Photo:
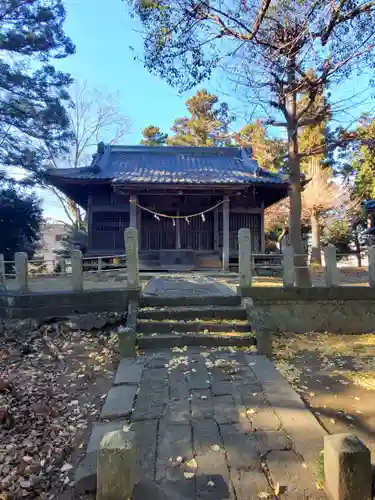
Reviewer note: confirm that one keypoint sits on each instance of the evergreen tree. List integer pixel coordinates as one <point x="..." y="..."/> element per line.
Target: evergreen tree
<point x="152" y="136"/>
<point x="21" y="216"/>
<point x="269" y="153"/>
<point x="207" y="124"/>
<point x="32" y="91"/>
<point x="363" y="164"/>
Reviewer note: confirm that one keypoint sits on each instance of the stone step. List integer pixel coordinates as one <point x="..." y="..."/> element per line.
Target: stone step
<point x="203" y="300"/>
<point x="193" y="312"/>
<point x="146" y="326"/>
<point x="165" y="341"/>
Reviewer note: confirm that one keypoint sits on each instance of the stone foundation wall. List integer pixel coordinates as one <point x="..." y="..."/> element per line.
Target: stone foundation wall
<point x="60" y="304"/>
<point x="335" y="310"/>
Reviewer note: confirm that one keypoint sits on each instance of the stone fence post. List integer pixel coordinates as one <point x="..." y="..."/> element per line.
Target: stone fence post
<point x="371" y="266"/>
<point x="331" y="274"/>
<point x="244" y="258"/>
<point x="21" y="271"/>
<point x="2" y="271"/>
<point x="289" y="274"/>
<point x="132" y="257"/>
<point x="116" y="466"/>
<point x="347" y="468"/>
<point x="77" y="270"/>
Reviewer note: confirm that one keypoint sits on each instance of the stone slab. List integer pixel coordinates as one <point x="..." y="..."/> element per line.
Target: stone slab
<point x="119" y="402"/>
<point x="85" y="474"/>
<point x="146" y="439"/>
<point x="129" y="371"/>
<point x="99" y="429"/>
<point x="212" y="465"/>
<point x="173" y="441"/>
<point x="297" y="420"/>
<point x="295" y="481"/>
<point x="244" y="462"/>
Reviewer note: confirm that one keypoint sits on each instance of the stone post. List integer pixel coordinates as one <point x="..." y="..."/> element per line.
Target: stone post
<point x="289" y="274"/>
<point x="347" y="468"/>
<point x="330" y="271"/>
<point x="371" y="266"/>
<point x="21" y="270"/>
<point x="116" y="466"/>
<point x="2" y="271"/>
<point x="244" y="258"/>
<point x="77" y="271"/>
<point x="133" y="210"/>
<point x="132" y="257"/>
<point x="100" y="264"/>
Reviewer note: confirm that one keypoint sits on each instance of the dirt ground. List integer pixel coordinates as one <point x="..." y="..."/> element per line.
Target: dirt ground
<point x="335" y="375"/>
<point x="51" y="387"/>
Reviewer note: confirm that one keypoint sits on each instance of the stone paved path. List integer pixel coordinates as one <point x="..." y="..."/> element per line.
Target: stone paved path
<point x="186" y="286"/>
<point x="221" y="425"/>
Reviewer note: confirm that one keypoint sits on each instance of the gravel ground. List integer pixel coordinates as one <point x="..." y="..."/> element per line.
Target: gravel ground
<point x="53" y="380"/>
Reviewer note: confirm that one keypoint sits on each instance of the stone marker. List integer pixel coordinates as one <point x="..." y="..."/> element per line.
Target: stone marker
<point x="331" y="274"/>
<point x="244" y="257"/>
<point x="371" y="266"/>
<point x="21" y="270"/>
<point x="347" y="468"/>
<point x="77" y="271"/>
<point x="132" y="257"/>
<point x="116" y="466"/>
<point x="288" y="267"/>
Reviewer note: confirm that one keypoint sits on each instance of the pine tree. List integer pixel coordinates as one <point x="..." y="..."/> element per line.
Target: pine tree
<point x="207" y="124"/>
<point x="152" y="136"/>
<point x="32" y="91"/>
<point x="363" y="164"/>
<point x="21" y="217"/>
<point x="269" y="153"/>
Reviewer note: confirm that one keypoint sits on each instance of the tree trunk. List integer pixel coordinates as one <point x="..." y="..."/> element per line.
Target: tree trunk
<point x="315" y="238"/>
<point x="302" y="272"/>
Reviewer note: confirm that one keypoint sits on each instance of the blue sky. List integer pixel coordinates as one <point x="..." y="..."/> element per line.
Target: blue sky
<point x="102" y="33"/>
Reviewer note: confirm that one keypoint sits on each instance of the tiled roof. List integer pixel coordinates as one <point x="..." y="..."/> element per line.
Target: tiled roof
<point x="172" y="165"/>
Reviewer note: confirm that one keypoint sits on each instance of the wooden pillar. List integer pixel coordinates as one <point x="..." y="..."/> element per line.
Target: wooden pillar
<point x="178" y="231"/>
<point x="89" y="218"/>
<point x="226" y="234"/>
<point x="133" y="211"/>
<point x="216" y="229"/>
<point x="262" y="233"/>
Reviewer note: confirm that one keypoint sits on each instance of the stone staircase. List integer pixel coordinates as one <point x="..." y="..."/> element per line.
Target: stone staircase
<point x="180" y="321"/>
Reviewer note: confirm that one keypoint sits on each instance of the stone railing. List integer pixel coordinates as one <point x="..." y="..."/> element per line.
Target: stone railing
<point x="17" y="275"/>
<point x="286" y="263"/>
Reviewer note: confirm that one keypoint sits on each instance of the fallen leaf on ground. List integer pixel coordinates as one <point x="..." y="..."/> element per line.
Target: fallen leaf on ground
<point x="189" y="475"/>
<point x="263" y="494"/>
<point x="192" y="464"/>
<point x="277" y="489"/>
<point x="215" y="447"/>
<point x="210" y="483"/>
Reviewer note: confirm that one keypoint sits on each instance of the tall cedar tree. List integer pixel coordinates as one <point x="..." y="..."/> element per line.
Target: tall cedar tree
<point x="21" y="216"/>
<point x="207" y="124"/>
<point x="268" y="48"/>
<point x="32" y="91"/>
<point x="153" y="136"/>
